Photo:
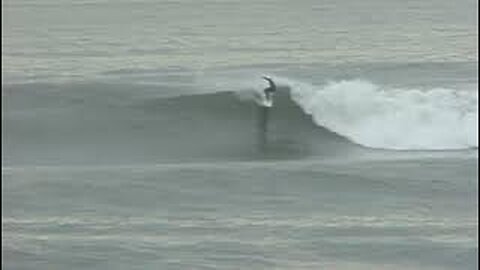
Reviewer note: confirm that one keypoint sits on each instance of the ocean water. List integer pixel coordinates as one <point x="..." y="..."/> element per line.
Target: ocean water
<point x="132" y="136"/>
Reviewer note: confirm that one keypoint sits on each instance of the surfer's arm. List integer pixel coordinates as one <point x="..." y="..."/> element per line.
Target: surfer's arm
<point x="270" y="82"/>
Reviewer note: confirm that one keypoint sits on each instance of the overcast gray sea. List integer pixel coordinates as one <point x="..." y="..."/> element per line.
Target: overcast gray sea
<point x="133" y="136"/>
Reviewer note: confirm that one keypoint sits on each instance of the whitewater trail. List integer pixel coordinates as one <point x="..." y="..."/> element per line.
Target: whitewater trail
<point x="398" y="119"/>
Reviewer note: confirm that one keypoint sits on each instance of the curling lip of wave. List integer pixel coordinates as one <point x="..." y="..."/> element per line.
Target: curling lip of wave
<point x="397" y="119"/>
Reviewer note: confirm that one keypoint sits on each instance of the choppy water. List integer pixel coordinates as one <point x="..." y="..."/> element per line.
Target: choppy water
<point x="130" y="135"/>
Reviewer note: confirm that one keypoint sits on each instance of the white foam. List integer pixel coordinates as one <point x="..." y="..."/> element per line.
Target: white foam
<point x="403" y="119"/>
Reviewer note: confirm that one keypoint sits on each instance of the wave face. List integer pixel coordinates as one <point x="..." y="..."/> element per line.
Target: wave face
<point x="399" y="119"/>
<point x="111" y="123"/>
<point x="93" y="123"/>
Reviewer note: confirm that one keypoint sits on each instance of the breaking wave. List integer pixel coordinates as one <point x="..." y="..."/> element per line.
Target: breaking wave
<point x="110" y="123"/>
<point x="400" y="119"/>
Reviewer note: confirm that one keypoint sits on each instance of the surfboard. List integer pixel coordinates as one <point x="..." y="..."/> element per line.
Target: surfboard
<point x="268" y="101"/>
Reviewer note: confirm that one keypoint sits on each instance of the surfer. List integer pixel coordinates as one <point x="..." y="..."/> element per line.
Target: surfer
<point x="263" y="114"/>
<point x="270" y="89"/>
